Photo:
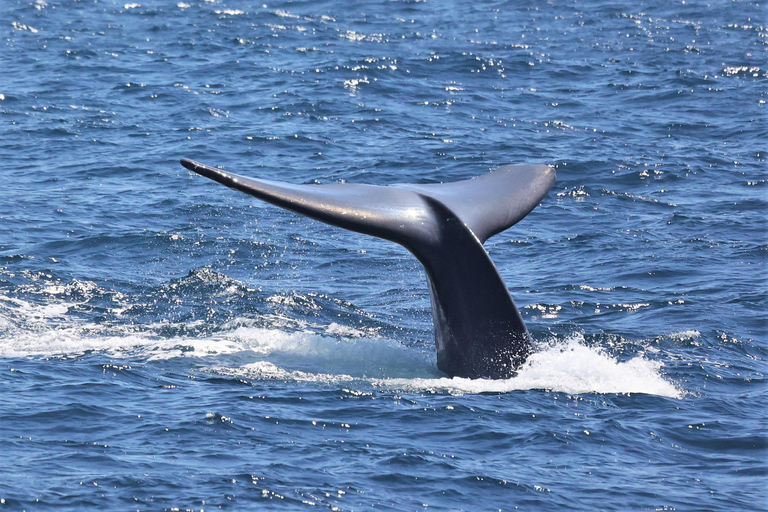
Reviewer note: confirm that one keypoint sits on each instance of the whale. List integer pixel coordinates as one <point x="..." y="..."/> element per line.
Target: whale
<point x="479" y="331"/>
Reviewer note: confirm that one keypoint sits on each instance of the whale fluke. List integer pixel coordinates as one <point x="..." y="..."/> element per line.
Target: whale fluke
<point x="478" y="330"/>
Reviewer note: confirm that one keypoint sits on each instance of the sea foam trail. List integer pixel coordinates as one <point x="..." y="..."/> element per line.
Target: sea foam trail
<point x="568" y="367"/>
<point x="338" y="355"/>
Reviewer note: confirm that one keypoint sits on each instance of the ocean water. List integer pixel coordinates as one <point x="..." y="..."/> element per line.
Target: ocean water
<point x="169" y="344"/>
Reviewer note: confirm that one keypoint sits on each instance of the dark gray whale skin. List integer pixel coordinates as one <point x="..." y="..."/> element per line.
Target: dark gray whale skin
<point x="479" y="332"/>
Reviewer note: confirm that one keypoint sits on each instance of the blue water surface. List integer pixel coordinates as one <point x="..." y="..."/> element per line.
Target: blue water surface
<point x="169" y="344"/>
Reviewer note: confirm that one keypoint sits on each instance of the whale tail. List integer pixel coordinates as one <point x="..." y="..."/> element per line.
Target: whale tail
<point x="479" y="331"/>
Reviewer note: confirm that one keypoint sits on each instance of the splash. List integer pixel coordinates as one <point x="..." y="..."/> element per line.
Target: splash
<point x="572" y="367"/>
<point x="333" y="355"/>
<point x="569" y="367"/>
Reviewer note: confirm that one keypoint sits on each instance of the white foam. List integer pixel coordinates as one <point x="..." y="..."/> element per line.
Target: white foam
<point x="340" y="355"/>
<point x="264" y="370"/>
<point x="304" y="350"/>
<point x="573" y="367"/>
<point x="569" y="367"/>
<point x="322" y="355"/>
<point x="684" y="335"/>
